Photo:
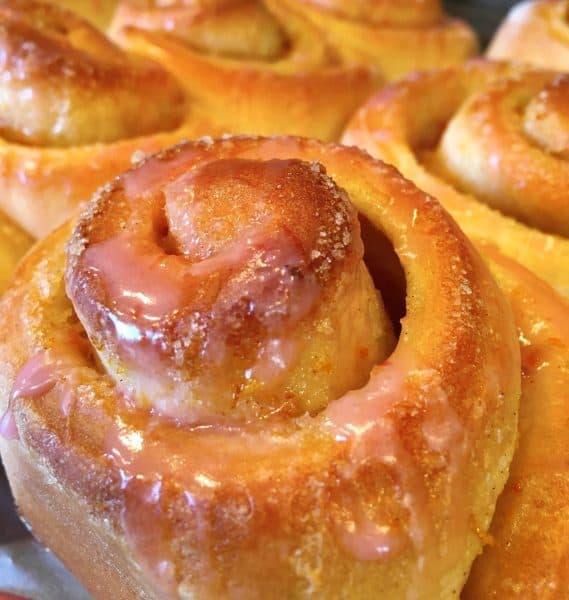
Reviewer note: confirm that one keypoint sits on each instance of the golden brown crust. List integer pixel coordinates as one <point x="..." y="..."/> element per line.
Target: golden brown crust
<point x="289" y="505"/>
<point x="76" y="109"/>
<point x="535" y="32"/>
<point x="395" y="37"/>
<point x="234" y="260"/>
<point x="66" y="84"/>
<point x="299" y="87"/>
<point x="14" y="243"/>
<point x="476" y="136"/>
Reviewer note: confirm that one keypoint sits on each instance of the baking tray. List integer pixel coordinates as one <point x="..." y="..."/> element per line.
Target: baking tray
<point x="28" y="569"/>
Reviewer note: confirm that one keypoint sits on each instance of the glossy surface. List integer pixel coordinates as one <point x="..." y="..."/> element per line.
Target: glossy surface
<point x="235" y="261"/>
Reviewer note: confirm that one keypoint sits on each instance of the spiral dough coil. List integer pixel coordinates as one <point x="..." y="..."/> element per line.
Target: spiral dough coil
<point x="492" y="147"/>
<point x="75" y="109"/>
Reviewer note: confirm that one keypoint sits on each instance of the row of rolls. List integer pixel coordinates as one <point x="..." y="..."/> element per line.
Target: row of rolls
<point x="297" y="325"/>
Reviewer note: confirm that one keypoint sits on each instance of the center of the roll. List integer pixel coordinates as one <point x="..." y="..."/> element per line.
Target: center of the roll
<point x="241" y="30"/>
<point x="236" y="289"/>
<point x="218" y="205"/>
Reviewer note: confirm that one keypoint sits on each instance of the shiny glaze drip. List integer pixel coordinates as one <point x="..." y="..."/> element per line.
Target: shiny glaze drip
<point x="151" y="459"/>
<point x="367" y="419"/>
<point x="363" y="419"/>
<point x="8" y="426"/>
<point x="143" y="294"/>
<point x="37" y="377"/>
<point x="366" y="540"/>
<point x="163" y="284"/>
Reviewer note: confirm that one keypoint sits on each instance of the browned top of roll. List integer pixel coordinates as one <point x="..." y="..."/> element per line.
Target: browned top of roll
<point x="64" y="83"/>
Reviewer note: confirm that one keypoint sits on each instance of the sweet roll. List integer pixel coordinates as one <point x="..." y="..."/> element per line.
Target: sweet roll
<point x="75" y="109"/>
<point x="206" y="397"/>
<point x="250" y="66"/>
<point x="535" y="32"/>
<point x="489" y="140"/>
<point x="497" y="136"/>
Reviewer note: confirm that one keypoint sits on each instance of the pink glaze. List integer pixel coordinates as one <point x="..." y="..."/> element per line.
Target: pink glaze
<point x="367" y="540"/>
<point x="142" y="280"/>
<point x="143" y="530"/>
<point x="36" y="377"/>
<point x="362" y="418"/>
<point x="234" y="255"/>
<point x="365" y="419"/>
<point x="255" y="267"/>
<point x="43" y="371"/>
<point x="8" y="426"/>
<point x="274" y="361"/>
<point x="161" y="283"/>
<point x="155" y="173"/>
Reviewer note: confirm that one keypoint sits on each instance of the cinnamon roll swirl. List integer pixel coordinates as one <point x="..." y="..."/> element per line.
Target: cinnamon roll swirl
<point x="396" y="37"/>
<point x="75" y="108"/>
<point x="250" y="66"/>
<point x="489" y="140"/>
<point x="205" y="384"/>
<point x="494" y="133"/>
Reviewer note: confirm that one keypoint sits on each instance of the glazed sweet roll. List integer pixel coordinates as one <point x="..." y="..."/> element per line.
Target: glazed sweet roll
<point x="489" y="140"/>
<point x="534" y="32"/>
<point x="251" y="67"/>
<point x="208" y="395"/>
<point x="396" y="37"/>
<point x="75" y="108"/>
